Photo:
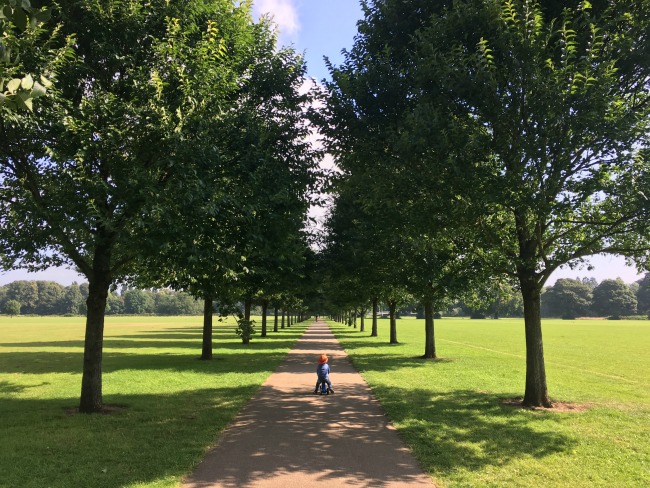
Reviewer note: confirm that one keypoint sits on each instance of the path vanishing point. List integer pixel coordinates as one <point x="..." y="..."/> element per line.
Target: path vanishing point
<point x="288" y="437"/>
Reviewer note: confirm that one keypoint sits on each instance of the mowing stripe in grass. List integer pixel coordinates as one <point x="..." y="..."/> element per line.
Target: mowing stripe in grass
<point x="562" y="365"/>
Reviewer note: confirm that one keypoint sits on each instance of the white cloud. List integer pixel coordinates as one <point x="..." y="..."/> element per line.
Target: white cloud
<point x="284" y="14"/>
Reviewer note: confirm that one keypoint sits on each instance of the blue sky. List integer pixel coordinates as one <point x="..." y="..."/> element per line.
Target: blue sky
<point x="316" y="27"/>
<point x="323" y="28"/>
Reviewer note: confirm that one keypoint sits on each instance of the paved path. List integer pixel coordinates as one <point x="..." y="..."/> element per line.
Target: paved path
<point x="288" y="437"/>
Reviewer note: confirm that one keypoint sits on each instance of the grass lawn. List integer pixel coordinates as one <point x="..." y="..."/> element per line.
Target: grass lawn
<point x="174" y="403"/>
<point x="451" y="412"/>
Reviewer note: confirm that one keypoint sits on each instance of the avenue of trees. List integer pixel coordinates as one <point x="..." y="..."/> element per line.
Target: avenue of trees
<point x="480" y="146"/>
<point x="483" y="144"/>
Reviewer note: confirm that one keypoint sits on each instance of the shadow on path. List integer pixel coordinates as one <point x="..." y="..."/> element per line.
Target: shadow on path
<point x="289" y="437"/>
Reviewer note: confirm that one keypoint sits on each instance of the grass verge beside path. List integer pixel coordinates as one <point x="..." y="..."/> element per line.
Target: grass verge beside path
<point x="452" y="415"/>
<point x="174" y="403"/>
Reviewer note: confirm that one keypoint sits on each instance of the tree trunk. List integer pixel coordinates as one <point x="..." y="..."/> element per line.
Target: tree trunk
<point x="536" y="394"/>
<point x="275" y="320"/>
<point x="354" y="318"/>
<point x="282" y="327"/>
<point x="247" y="308"/>
<point x="247" y="317"/>
<point x="393" y="322"/>
<point x="373" y="333"/>
<point x="91" y="381"/>
<point x="429" y="338"/>
<point x="208" y="310"/>
<point x="265" y="307"/>
<point x="362" y="327"/>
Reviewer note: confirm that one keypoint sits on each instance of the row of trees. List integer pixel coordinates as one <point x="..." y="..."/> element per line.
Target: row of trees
<point x="482" y="144"/>
<point x="171" y="152"/>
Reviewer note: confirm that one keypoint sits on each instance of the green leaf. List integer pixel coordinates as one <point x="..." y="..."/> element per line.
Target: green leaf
<point x="38" y="90"/>
<point x="13" y="85"/>
<point x="27" y="82"/>
<point x="45" y="82"/>
<point x="24" y="101"/>
<point x="43" y="15"/>
<point x="20" y="19"/>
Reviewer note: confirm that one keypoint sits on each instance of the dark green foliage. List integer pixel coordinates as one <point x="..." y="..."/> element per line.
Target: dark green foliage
<point x="613" y="298"/>
<point x="643" y="295"/>
<point x="72" y="300"/>
<point x="11" y="308"/>
<point x="138" y="302"/>
<point x="245" y="329"/>
<point x="568" y="299"/>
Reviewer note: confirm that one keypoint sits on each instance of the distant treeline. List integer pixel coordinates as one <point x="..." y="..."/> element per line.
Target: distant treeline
<point x="569" y="298"/>
<point x="51" y="298"/>
<point x="572" y="298"/>
<point x="566" y="298"/>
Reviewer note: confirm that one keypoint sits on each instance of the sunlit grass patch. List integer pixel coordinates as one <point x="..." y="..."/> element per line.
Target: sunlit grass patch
<point x="454" y="412"/>
<point x="172" y="405"/>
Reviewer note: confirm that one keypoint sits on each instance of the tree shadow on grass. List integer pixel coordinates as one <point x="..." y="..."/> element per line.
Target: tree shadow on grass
<point x="156" y="437"/>
<point x="385" y="362"/>
<point x="181" y="338"/>
<point x="468" y="429"/>
<point x="163" y="436"/>
<point x="236" y="357"/>
<point x="7" y="387"/>
<point x="249" y="361"/>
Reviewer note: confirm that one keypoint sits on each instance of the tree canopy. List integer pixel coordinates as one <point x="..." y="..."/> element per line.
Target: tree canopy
<point x="516" y="126"/>
<point x="135" y="143"/>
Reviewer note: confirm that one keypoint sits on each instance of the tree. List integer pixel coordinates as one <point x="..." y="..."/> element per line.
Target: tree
<point x="114" y="304"/>
<point x="72" y="300"/>
<point x="528" y="122"/>
<point x="567" y="299"/>
<point x="107" y="165"/>
<point x="245" y="234"/>
<point x="643" y="294"/>
<point x="137" y="302"/>
<point x="413" y="225"/>
<point x="363" y="253"/>
<point x="11" y="308"/>
<point x="551" y="112"/>
<point x="24" y="292"/>
<point x="614" y="298"/>
<point x="50" y="295"/>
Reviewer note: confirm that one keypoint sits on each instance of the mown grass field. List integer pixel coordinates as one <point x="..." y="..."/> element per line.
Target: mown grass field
<point x="452" y="414"/>
<point x="174" y="403"/>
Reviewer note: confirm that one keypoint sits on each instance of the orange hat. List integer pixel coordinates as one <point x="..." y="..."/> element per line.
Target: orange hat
<point x="322" y="359"/>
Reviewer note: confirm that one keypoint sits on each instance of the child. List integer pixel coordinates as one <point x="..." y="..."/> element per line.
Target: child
<point x="323" y="372"/>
